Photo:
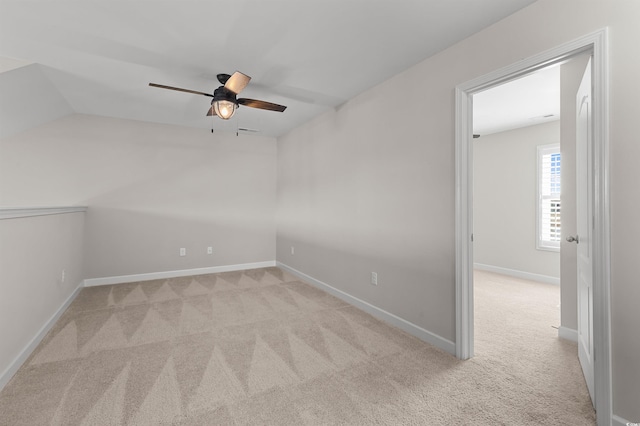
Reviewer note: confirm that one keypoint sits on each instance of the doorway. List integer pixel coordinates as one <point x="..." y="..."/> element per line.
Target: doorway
<point x="517" y="210"/>
<point x="517" y="218"/>
<point x="596" y="44"/>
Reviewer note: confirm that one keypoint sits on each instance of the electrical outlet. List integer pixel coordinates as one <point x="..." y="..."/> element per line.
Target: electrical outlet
<point x="293" y="250"/>
<point x="209" y="250"/>
<point x="374" y="278"/>
<point x="183" y="251"/>
<point x="63" y="276"/>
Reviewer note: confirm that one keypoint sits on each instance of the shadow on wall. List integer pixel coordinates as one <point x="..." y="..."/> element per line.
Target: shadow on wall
<point x="404" y="282"/>
<point x="120" y="241"/>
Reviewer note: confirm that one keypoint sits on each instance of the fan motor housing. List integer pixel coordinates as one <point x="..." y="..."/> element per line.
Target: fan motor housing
<point x="222" y="94"/>
<point x="222" y="78"/>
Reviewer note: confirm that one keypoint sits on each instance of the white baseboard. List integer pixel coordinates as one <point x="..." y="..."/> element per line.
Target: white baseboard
<point x="8" y="373"/>
<point x="91" y="282"/>
<point x="518" y="274"/>
<point x="568" y="334"/>
<point x="619" y="421"/>
<point x="381" y="314"/>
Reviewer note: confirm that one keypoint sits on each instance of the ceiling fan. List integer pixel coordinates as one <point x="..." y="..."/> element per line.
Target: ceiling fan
<point x="224" y="102"/>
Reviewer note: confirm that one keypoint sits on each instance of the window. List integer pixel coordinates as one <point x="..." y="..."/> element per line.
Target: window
<point x="549" y="222"/>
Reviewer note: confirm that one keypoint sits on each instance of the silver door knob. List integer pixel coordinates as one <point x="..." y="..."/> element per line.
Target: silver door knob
<point x="571" y="239"/>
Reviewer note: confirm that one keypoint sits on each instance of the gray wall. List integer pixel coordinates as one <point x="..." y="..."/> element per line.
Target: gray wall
<point x="371" y="188"/>
<point x="505" y="186"/>
<point x="151" y="189"/>
<point x="33" y="253"/>
<point x="358" y="192"/>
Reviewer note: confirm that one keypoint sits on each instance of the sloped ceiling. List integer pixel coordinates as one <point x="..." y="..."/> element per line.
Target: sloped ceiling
<point x="309" y="55"/>
<point x="8" y="64"/>
<point x="28" y="99"/>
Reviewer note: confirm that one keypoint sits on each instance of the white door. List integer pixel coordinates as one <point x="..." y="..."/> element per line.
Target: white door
<point x="585" y="223"/>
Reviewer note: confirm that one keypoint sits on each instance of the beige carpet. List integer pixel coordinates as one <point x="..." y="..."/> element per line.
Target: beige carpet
<point x="260" y="347"/>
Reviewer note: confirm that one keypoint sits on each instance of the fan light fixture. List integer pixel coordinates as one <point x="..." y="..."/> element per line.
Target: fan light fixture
<point x="224" y="109"/>
<point x="225" y="102"/>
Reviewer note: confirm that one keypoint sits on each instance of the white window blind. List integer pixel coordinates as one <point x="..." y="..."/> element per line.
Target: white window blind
<point x="549" y="208"/>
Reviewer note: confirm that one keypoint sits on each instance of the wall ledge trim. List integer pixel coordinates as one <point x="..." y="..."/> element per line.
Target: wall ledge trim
<point x="20" y="212"/>
<point x="414" y="330"/>
<point x="120" y="279"/>
<point x="15" y="365"/>
<point x="518" y="274"/>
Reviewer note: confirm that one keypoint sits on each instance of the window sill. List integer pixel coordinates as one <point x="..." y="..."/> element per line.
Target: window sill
<point x="553" y="249"/>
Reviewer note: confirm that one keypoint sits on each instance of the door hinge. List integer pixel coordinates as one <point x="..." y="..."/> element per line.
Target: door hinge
<point x="471" y="237"/>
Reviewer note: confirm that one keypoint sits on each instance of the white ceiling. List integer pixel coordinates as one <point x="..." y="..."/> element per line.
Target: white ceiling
<point x="310" y="55"/>
<point x="529" y="100"/>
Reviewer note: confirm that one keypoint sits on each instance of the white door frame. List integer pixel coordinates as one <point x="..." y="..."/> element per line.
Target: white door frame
<point x="596" y="43"/>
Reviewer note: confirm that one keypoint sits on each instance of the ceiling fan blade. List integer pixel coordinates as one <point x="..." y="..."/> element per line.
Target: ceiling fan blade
<point x="211" y="112"/>
<point x="254" y="103"/>
<point x="237" y="82"/>
<point x="195" y="92"/>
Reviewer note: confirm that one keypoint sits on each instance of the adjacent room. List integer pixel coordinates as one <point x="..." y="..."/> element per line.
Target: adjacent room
<point x="517" y="225"/>
<point x="249" y="212"/>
